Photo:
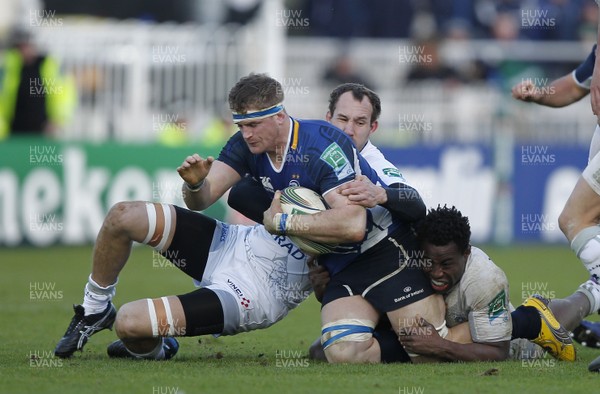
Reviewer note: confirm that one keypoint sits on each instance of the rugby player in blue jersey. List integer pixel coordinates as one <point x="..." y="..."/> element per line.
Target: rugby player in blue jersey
<point x="251" y="278"/>
<point x="354" y="109"/>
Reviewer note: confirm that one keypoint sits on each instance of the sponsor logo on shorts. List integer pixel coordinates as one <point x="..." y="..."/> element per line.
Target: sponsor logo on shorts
<point x="407" y="289"/>
<point x="235" y="288"/>
<point x="291" y="248"/>
<point x="245" y="302"/>
<point x="409" y="295"/>
<point x="224" y="232"/>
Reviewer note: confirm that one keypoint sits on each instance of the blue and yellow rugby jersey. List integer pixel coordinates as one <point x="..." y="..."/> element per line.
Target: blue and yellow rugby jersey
<point x="320" y="157"/>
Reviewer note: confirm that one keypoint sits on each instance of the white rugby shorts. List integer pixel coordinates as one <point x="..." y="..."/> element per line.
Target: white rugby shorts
<point x="266" y="273"/>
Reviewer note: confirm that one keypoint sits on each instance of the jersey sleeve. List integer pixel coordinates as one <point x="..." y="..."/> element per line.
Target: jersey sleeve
<point x="391" y="175"/>
<point x="388" y="173"/>
<point x="235" y="154"/>
<point x="583" y="73"/>
<point x="487" y="297"/>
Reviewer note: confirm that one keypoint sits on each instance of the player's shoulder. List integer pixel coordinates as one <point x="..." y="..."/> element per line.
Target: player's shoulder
<point x="480" y="265"/>
<point x="236" y="144"/>
<point x="316" y="130"/>
<point x="317" y="127"/>
<point x="313" y="123"/>
<point x="384" y="168"/>
<point x="482" y="280"/>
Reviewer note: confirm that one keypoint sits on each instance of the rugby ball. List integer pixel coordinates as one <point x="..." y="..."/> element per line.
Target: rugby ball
<point x="298" y="200"/>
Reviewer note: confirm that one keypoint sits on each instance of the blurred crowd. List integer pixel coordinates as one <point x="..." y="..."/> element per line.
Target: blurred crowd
<point x="425" y="26"/>
<point x="477" y="19"/>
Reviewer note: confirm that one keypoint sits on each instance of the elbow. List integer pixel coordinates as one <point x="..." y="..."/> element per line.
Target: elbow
<point x="502" y="353"/>
<point x="420" y="211"/>
<point x="192" y="205"/>
<point x="357" y="229"/>
<point x="355" y="236"/>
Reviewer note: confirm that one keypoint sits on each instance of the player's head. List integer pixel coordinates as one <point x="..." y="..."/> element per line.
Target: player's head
<point x="255" y="92"/>
<point x="354" y="109"/>
<point x="256" y="101"/>
<point x="444" y="237"/>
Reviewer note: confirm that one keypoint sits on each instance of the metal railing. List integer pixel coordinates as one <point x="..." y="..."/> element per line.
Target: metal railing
<point x="135" y="78"/>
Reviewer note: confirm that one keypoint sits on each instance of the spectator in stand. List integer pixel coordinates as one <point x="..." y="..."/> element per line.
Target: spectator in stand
<point x="427" y="65"/>
<point x="35" y="98"/>
<point x="342" y="71"/>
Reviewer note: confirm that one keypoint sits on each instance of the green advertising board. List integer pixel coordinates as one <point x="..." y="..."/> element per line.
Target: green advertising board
<point x="59" y="193"/>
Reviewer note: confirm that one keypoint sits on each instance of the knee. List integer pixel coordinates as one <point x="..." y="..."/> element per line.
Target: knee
<point x="128" y="323"/>
<point x="121" y="216"/>
<point x="348" y="352"/>
<point x="350" y="341"/>
<point x="563" y="221"/>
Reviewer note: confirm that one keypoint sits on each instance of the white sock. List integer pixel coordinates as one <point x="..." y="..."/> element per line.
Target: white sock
<point x="586" y="245"/>
<point x="96" y="297"/>
<point x="591" y="290"/>
<point x="158" y="353"/>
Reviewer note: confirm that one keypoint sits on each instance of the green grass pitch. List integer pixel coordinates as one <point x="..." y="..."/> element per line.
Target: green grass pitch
<point x="38" y="287"/>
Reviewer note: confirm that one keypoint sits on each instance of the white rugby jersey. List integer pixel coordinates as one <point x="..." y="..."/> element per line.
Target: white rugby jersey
<point x="386" y="171"/>
<point x="481" y="298"/>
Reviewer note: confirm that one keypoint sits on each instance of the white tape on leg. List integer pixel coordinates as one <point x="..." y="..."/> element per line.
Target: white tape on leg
<point x="151" y="222"/>
<point x="165" y="235"/>
<point x="165" y="301"/>
<point x="153" y="319"/>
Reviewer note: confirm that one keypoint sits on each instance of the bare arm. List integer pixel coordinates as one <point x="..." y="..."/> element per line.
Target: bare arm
<point x="342" y="223"/>
<point x="425" y="340"/>
<point x="402" y="200"/>
<point x="559" y="93"/>
<point x="206" y="180"/>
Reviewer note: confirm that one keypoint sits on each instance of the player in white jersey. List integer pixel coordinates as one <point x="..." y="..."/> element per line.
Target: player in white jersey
<point x="476" y="295"/>
<point x="580" y="217"/>
<point x="355" y="110"/>
<point x="475" y="290"/>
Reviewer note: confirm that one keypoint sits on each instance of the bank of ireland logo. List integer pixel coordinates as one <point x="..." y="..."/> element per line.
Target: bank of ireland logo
<point x="334" y="156"/>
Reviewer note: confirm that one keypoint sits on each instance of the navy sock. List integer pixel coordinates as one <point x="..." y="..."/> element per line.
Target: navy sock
<point x="526" y="322"/>
<point x="391" y="349"/>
